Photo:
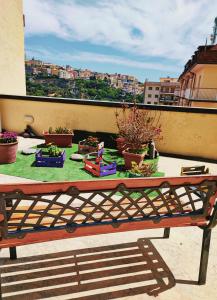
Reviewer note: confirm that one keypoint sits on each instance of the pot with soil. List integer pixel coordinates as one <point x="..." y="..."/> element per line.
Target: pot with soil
<point x="90" y="144"/>
<point x="131" y="156"/>
<point x="8" y="147"/>
<point x="61" y="137"/>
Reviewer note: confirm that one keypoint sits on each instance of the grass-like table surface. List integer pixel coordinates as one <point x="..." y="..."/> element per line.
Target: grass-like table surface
<point x="71" y="171"/>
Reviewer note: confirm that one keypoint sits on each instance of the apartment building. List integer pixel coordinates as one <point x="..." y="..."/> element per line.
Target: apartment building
<point x="85" y="74"/>
<point x="34" y="62"/>
<point x="151" y="92"/>
<point x="199" y="79"/>
<point x="64" y="74"/>
<point x="163" y="92"/>
<point x="12" y="79"/>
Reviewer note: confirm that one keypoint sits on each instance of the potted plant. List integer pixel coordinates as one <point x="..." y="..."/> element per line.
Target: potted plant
<point x="138" y="128"/>
<point x="142" y="170"/>
<point x="8" y="147"/>
<point x="88" y="145"/>
<point x="52" y="157"/>
<point x="60" y="136"/>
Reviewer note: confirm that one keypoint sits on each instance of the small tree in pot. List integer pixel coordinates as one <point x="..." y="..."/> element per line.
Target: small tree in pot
<point x="137" y="128"/>
<point x="8" y="147"/>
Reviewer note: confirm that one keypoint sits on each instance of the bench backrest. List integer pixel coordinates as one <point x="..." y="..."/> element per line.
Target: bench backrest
<point x="111" y="205"/>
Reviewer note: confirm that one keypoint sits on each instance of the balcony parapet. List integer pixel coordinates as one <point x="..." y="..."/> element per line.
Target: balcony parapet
<point x="187" y="131"/>
<point x="104" y="103"/>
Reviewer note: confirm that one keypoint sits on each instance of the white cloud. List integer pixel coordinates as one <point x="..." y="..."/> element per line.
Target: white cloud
<point x="168" y="28"/>
<point x="99" y="58"/>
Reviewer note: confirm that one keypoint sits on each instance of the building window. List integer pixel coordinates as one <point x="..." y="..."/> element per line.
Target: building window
<point x="150" y="87"/>
<point x="156" y="96"/>
<point x="149" y="95"/>
<point x="157" y="88"/>
<point x="148" y="102"/>
<point x="156" y="103"/>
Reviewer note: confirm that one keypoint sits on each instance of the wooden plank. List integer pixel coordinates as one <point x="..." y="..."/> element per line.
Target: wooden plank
<point x="45" y="236"/>
<point x="19" y="216"/>
<point x="56" y="210"/>
<point x="93" y="185"/>
<point x="46" y="221"/>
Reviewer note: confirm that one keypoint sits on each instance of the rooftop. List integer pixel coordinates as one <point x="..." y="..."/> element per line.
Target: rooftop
<point x="160" y="83"/>
<point x="168" y="165"/>
<point x="203" y="55"/>
<point x="108" y="266"/>
<point x="189" y="134"/>
<point x="118" y="273"/>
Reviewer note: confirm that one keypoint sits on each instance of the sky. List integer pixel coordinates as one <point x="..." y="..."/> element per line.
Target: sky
<point x="144" y="38"/>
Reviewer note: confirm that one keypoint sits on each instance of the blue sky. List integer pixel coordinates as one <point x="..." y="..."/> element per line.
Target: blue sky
<point x="147" y="39"/>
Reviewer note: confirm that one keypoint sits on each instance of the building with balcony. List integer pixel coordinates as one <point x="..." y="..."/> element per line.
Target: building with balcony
<point x="161" y="93"/>
<point x="85" y="74"/>
<point x="64" y="74"/>
<point x="199" y="79"/>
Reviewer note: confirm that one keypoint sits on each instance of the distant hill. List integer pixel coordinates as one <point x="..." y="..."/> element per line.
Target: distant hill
<point x="46" y="85"/>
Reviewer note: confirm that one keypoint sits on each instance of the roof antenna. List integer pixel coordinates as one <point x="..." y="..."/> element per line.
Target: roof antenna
<point x="205" y="44"/>
<point x="214" y="34"/>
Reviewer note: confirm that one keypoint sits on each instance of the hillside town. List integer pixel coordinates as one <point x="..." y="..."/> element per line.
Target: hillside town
<point x="126" y="83"/>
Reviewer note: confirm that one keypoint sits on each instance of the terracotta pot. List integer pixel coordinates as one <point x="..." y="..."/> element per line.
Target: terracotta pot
<point x="60" y="140"/>
<point x="121" y="144"/>
<point x="82" y="148"/>
<point x="8" y="153"/>
<point x="130" y="157"/>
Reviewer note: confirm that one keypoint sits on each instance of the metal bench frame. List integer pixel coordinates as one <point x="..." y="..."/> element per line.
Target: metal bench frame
<point x="143" y="203"/>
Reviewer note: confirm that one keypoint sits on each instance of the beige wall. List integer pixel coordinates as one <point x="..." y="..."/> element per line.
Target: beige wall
<point x="12" y="78"/>
<point x="209" y="76"/>
<point x="184" y="133"/>
<point x="204" y="104"/>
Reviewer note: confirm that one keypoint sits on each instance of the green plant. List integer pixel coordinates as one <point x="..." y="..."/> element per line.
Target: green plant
<point x="53" y="150"/>
<point x="50" y="130"/>
<point x="91" y="141"/>
<point x="144" y="169"/>
<point x="60" y="130"/>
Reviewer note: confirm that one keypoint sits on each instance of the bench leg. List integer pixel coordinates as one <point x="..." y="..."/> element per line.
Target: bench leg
<point x="204" y="256"/>
<point x="166" y="233"/>
<point x="13" y="253"/>
<point x="0" y="285"/>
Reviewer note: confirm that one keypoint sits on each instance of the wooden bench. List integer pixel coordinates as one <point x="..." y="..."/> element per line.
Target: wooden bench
<point x="40" y="212"/>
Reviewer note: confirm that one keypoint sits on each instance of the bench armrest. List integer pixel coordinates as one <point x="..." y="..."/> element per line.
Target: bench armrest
<point x="213" y="218"/>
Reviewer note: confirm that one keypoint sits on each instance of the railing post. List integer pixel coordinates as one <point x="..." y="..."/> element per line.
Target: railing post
<point x="204" y="256"/>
